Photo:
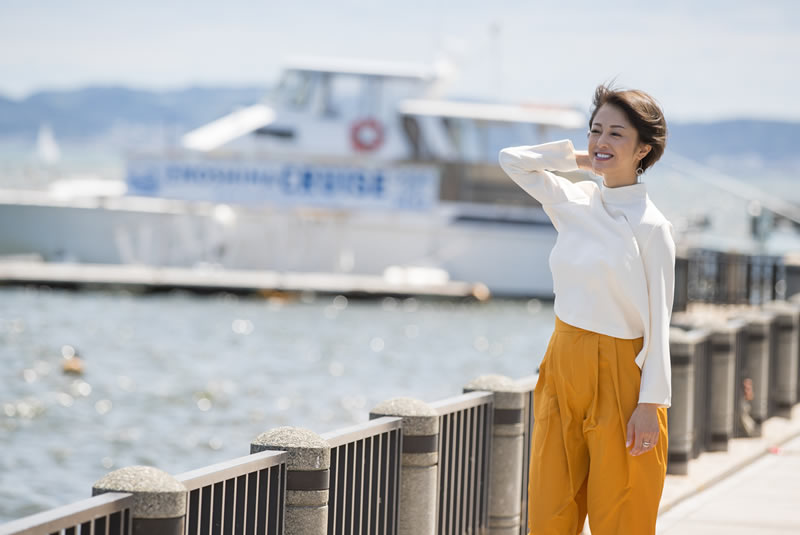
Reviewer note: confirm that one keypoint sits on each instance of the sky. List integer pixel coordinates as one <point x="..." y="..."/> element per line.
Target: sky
<point x="702" y="60"/>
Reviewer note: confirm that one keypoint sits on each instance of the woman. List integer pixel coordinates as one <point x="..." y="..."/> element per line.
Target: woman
<point x="600" y="404"/>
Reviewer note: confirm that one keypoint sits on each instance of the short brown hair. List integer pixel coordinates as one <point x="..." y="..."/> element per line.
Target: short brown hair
<point x="642" y="111"/>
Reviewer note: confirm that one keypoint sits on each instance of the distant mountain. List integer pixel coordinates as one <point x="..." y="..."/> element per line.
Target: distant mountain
<point x="771" y="142"/>
<point x="89" y="112"/>
<point x="126" y="115"/>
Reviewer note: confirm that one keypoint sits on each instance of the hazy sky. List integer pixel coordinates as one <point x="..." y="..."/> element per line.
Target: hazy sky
<point x="701" y="59"/>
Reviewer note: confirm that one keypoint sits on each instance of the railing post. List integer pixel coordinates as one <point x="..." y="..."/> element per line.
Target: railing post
<point x="791" y="264"/>
<point x="508" y="457"/>
<point x="724" y="338"/>
<point x="307" y="477"/>
<point x="681" y="294"/>
<point x="419" y="473"/>
<point x="794" y="299"/>
<point x="754" y="383"/>
<point x="682" y="349"/>
<point x="785" y="373"/>
<point x="159" y="506"/>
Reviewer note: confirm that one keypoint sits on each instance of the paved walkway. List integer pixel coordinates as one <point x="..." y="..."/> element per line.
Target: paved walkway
<point x="753" y="488"/>
<point x="762" y="498"/>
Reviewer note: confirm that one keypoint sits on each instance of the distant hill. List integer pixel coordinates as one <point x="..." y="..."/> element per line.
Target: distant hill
<point x="89" y="112"/>
<point x="772" y="142"/>
<point x="95" y="112"/>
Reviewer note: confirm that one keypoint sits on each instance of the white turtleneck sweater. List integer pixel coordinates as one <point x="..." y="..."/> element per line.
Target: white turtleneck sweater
<point x="613" y="263"/>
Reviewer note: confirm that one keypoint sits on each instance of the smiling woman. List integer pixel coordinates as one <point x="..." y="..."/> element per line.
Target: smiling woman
<point x="635" y="133"/>
<point x="605" y="381"/>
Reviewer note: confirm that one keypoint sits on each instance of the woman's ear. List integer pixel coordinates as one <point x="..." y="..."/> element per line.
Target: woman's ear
<point x="644" y="150"/>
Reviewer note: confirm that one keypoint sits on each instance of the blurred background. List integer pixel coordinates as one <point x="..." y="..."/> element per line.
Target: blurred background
<point x="349" y="137"/>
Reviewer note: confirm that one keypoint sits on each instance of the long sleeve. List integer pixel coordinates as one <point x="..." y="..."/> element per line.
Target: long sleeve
<point x="659" y="264"/>
<point x="528" y="166"/>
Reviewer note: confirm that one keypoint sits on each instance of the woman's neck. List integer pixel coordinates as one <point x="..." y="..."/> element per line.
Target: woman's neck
<point x="619" y="181"/>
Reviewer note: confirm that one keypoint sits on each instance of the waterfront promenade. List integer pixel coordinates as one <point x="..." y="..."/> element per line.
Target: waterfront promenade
<point x="762" y="498"/>
<point x="752" y="488"/>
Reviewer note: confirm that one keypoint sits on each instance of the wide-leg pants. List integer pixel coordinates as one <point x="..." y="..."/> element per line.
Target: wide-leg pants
<point x="587" y="390"/>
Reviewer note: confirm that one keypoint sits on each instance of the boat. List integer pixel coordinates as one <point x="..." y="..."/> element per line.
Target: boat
<point x="347" y="166"/>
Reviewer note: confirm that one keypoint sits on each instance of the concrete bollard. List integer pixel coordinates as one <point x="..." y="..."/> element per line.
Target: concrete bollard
<point x="159" y="506"/>
<point x="724" y="337"/>
<point x="419" y="473"/>
<point x="307" y="477"/>
<point x="507" y="462"/>
<point x="753" y="380"/>
<point x="785" y="370"/>
<point x="682" y="348"/>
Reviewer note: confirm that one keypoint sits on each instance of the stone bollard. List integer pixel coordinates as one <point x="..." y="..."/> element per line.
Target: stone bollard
<point x="724" y="337"/>
<point x="785" y="372"/>
<point x="682" y="348"/>
<point x="159" y="506"/>
<point x="307" y="477"/>
<point x="419" y="472"/>
<point x="507" y="462"/>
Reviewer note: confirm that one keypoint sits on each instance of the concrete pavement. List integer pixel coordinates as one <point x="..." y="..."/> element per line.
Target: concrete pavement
<point x="761" y="498"/>
<point x="753" y="488"/>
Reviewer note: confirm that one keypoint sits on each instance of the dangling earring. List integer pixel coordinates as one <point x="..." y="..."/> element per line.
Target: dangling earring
<point x="639" y="172"/>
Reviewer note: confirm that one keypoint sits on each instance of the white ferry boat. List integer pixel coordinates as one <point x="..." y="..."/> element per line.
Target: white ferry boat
<point x="347" y="167"/>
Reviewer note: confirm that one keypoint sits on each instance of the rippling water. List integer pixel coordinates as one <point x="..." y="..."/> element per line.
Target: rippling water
<point x="180" y="381"/>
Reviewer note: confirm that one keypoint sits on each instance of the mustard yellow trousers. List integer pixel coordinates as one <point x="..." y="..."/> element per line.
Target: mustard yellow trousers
<point x="587" y="390"/>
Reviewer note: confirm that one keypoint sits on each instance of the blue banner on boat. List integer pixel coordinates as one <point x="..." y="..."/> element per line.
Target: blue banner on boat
<point x="389" y="188"/>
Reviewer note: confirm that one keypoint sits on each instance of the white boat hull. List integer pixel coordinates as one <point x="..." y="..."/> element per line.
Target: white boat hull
<point x="509" y="258"/>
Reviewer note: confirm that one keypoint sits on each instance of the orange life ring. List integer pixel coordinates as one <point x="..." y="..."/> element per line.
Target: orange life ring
<point x="366" y="134"/>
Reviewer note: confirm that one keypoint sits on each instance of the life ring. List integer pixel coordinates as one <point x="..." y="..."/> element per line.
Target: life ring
<point x="366" y="134"/>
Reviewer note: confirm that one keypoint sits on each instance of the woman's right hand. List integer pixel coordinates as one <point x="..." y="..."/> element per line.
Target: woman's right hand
<point x="583" y="160"/>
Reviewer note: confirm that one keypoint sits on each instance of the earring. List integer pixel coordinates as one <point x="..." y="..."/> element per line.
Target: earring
<point x="639" y="172"/>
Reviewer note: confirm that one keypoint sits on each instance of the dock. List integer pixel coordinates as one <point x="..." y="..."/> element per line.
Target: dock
<point x="397" y="282"/>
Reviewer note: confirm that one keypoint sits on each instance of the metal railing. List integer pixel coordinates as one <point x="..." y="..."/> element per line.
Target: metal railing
<point x="244" y="495"/>
<point x="365" y="478"/>
<point x="465" y="433"/>
<point x="729" y="278"/>
<point x="106" y="514"/>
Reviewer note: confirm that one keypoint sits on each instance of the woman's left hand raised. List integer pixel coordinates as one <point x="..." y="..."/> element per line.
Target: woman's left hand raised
<point x="643" y="431"/>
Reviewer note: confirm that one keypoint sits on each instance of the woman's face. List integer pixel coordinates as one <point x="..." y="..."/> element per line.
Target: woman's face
<point x="614" y="146"/>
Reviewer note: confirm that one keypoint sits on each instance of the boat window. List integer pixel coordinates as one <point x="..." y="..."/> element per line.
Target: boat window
<point x="414" y="137"/>
<point x="397" y="89"/>
<point x="464" y="136"/>
<point x="342" y="95"/>
<point x="294" y="90"/>
<point x="453" y="130"/>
